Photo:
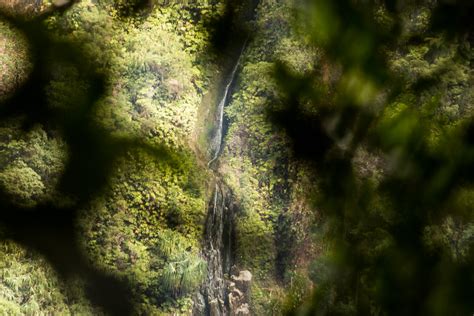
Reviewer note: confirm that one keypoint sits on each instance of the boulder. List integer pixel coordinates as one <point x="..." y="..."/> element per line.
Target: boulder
<point x="243" y="281"/>
<point x="239" y="293"/>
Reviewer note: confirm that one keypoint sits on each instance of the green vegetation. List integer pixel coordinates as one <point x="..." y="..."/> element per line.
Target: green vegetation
<point x="273" y="230"/>
<point x="280" y="234"/>
<point x="148" y="229"/>
<point x="29" y="285"/>
<point x="391" y="153"/>
<point x="348" y="154"/>
<point x="147" y="225"/>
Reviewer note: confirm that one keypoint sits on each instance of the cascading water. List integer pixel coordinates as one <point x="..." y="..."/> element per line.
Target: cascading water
<point x="215" y="249"/>
<point x="216" y="141"/>
<point x="213" y="299"/>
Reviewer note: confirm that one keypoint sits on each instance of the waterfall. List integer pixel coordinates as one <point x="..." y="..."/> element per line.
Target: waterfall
<point x="216" y="141"/>
<point x="214" y="251"/>
<point x="213" y="298"/>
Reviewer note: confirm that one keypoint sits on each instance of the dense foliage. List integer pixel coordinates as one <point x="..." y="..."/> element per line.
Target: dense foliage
<point x="147" y="225"/>
<point x="348" y="153"/>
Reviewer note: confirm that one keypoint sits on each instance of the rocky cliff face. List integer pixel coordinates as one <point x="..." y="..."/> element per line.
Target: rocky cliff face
<point x="226" y="291"/>
<point x="220" y="295"/>
<point x="218" y="250"/>
<point x="239" y="293"/>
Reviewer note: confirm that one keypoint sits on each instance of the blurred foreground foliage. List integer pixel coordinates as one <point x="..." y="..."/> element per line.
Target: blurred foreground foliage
<point x="370" y="213"/>
<point x="96" y="171"/>
<point x="385" y="122"/>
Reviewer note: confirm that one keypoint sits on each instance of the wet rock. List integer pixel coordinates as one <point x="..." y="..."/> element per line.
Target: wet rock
<point x="244" y="276"/>
<point x="215" y="307"/>
<point x="243" y="281"/>
<point x="239" y="293"/>
<point x="199" y="304"/>
<point x="243" y="310"/>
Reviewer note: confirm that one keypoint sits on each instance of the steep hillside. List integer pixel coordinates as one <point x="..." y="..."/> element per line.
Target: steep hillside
<point x="147" y="225"/>
<point x="211" y="157"/>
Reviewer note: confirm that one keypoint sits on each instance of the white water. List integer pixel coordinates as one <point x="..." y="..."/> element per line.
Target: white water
<point x="217" y="247"/>
<point x="214" y="293"/>
<point x="216" y="141"/>
<point x="218" y="250"/>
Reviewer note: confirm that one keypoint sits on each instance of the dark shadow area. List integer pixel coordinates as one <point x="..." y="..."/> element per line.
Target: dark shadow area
<point x="405" y="277"/>
<point x="48" y="229"/>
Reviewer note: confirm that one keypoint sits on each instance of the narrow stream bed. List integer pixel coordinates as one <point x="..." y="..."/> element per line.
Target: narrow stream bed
<point x="222" y="293"/>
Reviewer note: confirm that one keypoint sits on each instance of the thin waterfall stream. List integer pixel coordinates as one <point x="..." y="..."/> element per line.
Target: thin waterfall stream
<point x="216" y="141"/>
<point x="216" y="297"/>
